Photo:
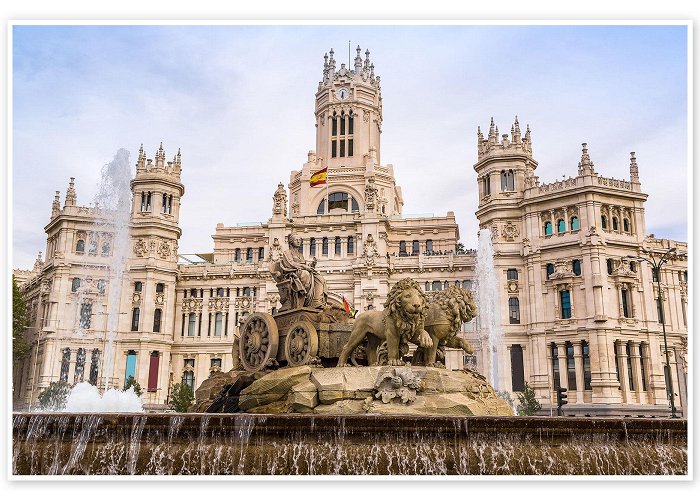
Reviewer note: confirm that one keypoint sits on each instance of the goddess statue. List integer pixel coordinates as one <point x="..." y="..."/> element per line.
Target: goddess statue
<point x="299" y="283"/>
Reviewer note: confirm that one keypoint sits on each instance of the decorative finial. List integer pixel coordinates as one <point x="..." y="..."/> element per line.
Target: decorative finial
<point x="634" y="169"/>
<point x="585" y="166"/>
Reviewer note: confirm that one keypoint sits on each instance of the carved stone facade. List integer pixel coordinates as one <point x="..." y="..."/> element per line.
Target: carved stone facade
<point x="580" y="310"/>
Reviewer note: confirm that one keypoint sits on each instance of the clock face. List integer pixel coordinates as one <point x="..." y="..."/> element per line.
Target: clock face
<point x="342" y="93"/>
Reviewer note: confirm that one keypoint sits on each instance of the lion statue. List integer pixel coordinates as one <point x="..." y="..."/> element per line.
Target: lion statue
<point x="447" y="310"/>
<point x="400" y="321"/>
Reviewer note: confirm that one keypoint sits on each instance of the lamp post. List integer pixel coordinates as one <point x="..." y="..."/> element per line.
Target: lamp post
<point x="656" y="266"/>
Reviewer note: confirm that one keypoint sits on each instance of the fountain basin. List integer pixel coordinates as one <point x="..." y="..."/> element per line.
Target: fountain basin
<point x="246" y="444"/>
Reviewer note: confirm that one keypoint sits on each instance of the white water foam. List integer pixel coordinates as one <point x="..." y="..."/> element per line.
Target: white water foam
<point x="86" y="398"/>
<point x="488" y="303"/>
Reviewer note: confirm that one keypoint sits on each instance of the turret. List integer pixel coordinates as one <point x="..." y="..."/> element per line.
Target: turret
<point x="585" y="166"/>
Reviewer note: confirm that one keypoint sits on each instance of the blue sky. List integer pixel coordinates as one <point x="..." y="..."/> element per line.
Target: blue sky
<point x="238" y="101"/>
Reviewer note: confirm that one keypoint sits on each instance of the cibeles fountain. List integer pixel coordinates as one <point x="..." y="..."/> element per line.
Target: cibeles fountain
<point x="318" y="392"/>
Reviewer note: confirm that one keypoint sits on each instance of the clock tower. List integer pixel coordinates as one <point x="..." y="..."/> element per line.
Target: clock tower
<point x="348" y="113"/>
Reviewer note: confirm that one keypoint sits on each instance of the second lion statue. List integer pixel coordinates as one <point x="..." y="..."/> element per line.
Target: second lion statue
<point x="402" y="320"/>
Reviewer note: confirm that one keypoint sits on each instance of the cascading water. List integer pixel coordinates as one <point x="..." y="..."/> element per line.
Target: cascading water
<point x="114" y="200"/>
<point x="488" y="303"/>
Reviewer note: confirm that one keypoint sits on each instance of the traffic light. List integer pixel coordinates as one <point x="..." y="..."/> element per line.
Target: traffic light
<point x="561" y="399"/>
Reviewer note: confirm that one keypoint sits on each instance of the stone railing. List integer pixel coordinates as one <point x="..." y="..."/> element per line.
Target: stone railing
<point x="558" y="185"/>
<point x="615" y="183"/>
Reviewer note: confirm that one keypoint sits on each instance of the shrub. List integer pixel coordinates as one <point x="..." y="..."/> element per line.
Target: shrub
<point x="528" y="402"/>
<point x="181" y="397"/>
<point x="54" y="397"/>
<point x="131" y="382"/>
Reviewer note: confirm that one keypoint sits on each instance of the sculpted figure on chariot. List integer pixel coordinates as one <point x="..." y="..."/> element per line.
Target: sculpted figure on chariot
<point x="299" y="283"/>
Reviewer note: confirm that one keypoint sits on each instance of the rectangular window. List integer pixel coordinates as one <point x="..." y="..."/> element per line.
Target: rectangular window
<point x="216" y="363"/>
<point x="342" y="125"/>
<point x="334" y="127"/>
<point x="351" y="245"/>
<point x="415" y="247"/>
<point x="586" y="366"/>
<point x="625" y="303"/>
<point x="617" y="361"/>
<point x="570" y="366"/>
<point x="517" y="370"/>
<point x="514" y="310"/>
<point x="642" y="370"/>
<point x="565" y="297"/>
<point x="191" y="325"/>
<point x="512" y="274"/>
<point x="350" y="124"/>
<point x="130" y="365"/>
<point x="350" y="148"/>
<point x="337" y="248"/>
<point x="630" y="373"/>
<point x="342" y="148"/>
<point x="135" y="313"/>
<point x="153" y="371"/>
<point x="156" y="319"/>
<point x="333" y="149"/>
<point x="218" y="324"/>
<point x="85" y="315"/>
<point x="659" y="310"/>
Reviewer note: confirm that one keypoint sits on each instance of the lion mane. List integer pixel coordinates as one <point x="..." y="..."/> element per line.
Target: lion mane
<point x="457" y="304"/>
<point x="405" y="323"/>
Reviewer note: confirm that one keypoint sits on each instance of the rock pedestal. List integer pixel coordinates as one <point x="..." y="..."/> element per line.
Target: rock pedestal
<point x="373" y="390"/>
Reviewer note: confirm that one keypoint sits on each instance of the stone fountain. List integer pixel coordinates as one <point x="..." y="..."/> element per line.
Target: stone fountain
<point x="290" y="411"/>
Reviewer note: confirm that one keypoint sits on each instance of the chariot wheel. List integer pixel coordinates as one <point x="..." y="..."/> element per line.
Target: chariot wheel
<point x="259" y="341"/>
<point x="301" y="346"/>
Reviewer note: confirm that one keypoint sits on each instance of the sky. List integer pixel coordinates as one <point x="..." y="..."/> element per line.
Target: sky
<point x="238" y="101"/>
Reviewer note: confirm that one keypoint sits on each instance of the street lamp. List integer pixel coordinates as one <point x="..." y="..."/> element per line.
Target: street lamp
<point x="656" y="266"/>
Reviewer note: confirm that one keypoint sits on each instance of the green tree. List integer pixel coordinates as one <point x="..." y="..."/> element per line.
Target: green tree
<point x="181" y="397"/>
<point x="54" y="397"/>
<point x="20" y="322"/>
<point x="131" y="382"/>
<point x="528" y="401"/>
<point x="505" y="396"/>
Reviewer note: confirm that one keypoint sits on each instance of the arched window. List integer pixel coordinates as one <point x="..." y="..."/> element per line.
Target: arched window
<point x="487" y="185"/>
<point x="75" y="284"/>
<point x="626" y="225"/>
<point x="338" y="201"/>
<point x="93" y="247"/>
<point x="402" y="248"/>
<point x="105" y="248"/>
<point x="191" y="324"/>
<point x="561" y="226"/>
<point x="135" y="313"/>
<point x="101" y="286"/>
<point x="80" y="246"/>
<point x="354" y="205"/>
<point x="351" y="245"/>
<point x="609" y="264"/>
<point x="415" y="247"/>
<point x="156" y="319"/>
<point x="547" y="228"/>
<point x="550" y="270"/>
<point x="219" y="292"/>
<point x="575" y="226"/>
<point x="614" y="223"/>
<point x="312" y="247"/>
<point x="507" y="180"/>
<point x="587" y="365"/>
<point x="164" y="204"/>
<point x="604" y="222"/>
<point x="514" y="310"/>
<point x="576" y="267"/>
<point x="188" y="375"/>
<point x="337" y="248"/>
<point x="85" y="315"/>
<point x="321" y="207"/>
<point x="437" y="286"/>
<point x="324" y="246"/>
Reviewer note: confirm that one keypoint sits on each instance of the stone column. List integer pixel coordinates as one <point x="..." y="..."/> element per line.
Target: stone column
<point x="578" y="363"/>
<point x="563" y="369"/>
<point x="637" y="371"/>
<point x="622" y="365"/>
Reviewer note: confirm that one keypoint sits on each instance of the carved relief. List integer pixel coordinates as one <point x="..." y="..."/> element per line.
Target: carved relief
<point x="370" y="195"/>
<point x="218" y="304"/>
<point x="365" y="116"/>
<point x="275" y="251"/>
<point x="279" y="199"/>
<point x="192" y="305"/>
<point x="164" y="250"/>
<point x="140" y="248"/>
<point x="369" y="251"/>
<point x="510" y="232"/>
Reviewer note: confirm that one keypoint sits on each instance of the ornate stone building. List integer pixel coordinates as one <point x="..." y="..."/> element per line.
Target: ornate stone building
<point x="178" y="320"/>
<point x="579" y="310"/>
<point x="179" y="317"/>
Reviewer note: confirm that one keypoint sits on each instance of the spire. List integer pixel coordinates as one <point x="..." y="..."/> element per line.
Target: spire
<point x="492" y="129"/>
<point x="331" y="65"/>
<point x="56" y="205"/>
<point x="634" y="169"/>
<point x="141" y="161"/>
<point x="38" y="264"/>
<point x="527" y="141"/>
<point x="160" y="157"/>
<point x="367" y="62"/>
<point x="71" y="197"/>
<point x="585" y="166"/>
<point x="515" y="131"/>
<point x="358" y="61"/>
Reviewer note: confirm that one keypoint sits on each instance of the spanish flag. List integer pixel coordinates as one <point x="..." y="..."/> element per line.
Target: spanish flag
<point x="348" y="309"/>
<point x="318" y="178"/>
